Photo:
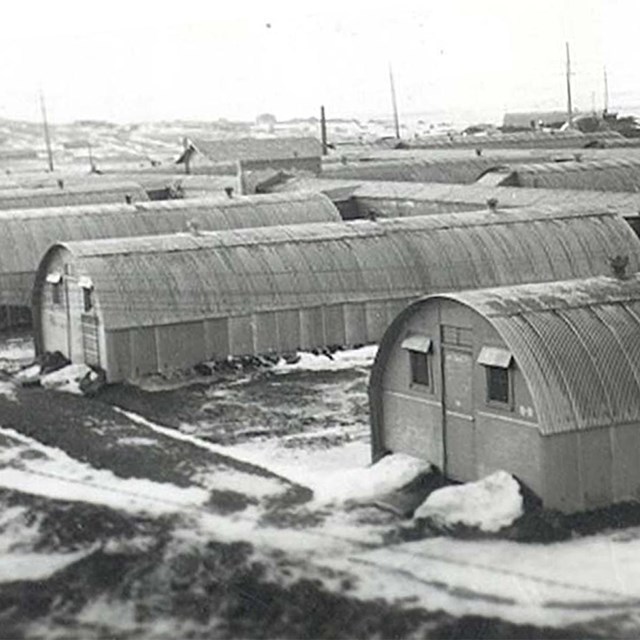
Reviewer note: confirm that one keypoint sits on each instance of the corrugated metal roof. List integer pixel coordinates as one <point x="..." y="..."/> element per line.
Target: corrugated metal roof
<point x="610" y="174"/>
<point x="526" y="139"/>
<point x="410" y="198"/>
<point x="27" y="233"/>
<point x="258" y="148"/>
<point x="75" y="194"/>
<point x="577" y="343"/>
<point x="179" y="278"/>
<point x="458" y="170"/>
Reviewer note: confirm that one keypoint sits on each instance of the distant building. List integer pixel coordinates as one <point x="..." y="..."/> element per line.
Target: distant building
<point x="292" y="154"/>
<point x="540" y="380"/>
<point x="533" y="120"/>
<point x="266" y="122"/>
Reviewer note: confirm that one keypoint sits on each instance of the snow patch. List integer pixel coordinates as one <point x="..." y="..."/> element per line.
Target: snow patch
<point x="340" y="360"/>
<point x="7" y="389"/>
<point x="56" y="475"/>
<point x="390" y="473"/>
<point x="488" y="504"/>
<point x="15" y="567"/>
<point x="247" y="483"/>
<point x="17" y="350"/>
<point x="543" y="584"/>
<point x="66" y="379"/>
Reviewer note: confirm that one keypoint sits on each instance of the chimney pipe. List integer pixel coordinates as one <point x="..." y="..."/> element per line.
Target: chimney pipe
<point x="492" y="203"/>
<point x="619" y="266"/>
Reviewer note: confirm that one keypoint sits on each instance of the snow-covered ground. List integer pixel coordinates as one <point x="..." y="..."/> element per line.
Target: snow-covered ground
<point x="578" y="581"/>
<point x="307" y="424"/>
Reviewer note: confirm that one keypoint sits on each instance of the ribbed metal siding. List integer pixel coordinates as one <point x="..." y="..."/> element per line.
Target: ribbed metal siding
<point x="26" y="235"/>
<point x="577" y="345"/>
<point x="602" y="175"/>
<point x="463" y="171"/>
<point x="141" y="281"/>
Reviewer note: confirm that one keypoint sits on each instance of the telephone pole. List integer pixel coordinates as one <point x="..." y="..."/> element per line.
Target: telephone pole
<point x="323" y="131"/>
<point x="45" y="124"/>
<point x="396" y="122"/>
<point x="569" y="104"/>
<point x="606" y="92"/>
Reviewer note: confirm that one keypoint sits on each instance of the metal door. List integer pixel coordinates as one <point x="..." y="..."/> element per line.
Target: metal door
<point x="90" y="340"/>
<point x="458" y="417"/>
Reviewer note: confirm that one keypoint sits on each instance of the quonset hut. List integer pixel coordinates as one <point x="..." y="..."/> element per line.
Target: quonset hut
<point x="391" y="199"/>
<point x="540" y="380"/>
<point x="25" y="235"/>
<point x="75" y="194"/>
<point x="449" y="170"/>
<point x="139" y="305"/>
<point x="609" y="174"/>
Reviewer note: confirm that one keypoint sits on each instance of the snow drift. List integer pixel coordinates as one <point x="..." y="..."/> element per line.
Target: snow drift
<point x="488" y="504"/>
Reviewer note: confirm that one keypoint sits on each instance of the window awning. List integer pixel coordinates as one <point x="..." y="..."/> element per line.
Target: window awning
<point x="418" y="343"/>
<point x="85" y="282"/>
<point x="495" y="357"/>
<point x="54" y="278"/>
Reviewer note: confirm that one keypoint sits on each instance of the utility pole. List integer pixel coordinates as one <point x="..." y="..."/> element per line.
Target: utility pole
<point x="396" y="122"/>
<point x="606" y="92"/>
<point x="323" y="130"/>
<point x="45" y="124"/>
<point x="569" y="104"/>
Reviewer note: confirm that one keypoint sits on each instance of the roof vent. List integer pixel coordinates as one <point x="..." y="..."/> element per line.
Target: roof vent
<point x="128" y="199"/>
<point x="492" y="203"/>
<point x="193" y="228"/>
<point x="478" y="151"/>
<point x="229" y="192"/>
<point x="619" y="266"/>
<point x="60" y="183"/>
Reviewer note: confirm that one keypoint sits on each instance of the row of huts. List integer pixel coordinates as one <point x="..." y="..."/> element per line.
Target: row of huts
<point x="542" y="171"/>
<point x="135" y="306"/>
<point x="523" y="355"/>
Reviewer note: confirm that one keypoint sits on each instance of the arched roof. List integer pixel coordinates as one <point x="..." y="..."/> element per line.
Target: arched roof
<point x="141" y="281"/>
<point x="577" y="343"/>
<point x="456" y="170"/>
<point x="609" y="174"/>
<point x="26" y="234"/>
<point x="74" y="194"/>
<point x="411" y="198"/>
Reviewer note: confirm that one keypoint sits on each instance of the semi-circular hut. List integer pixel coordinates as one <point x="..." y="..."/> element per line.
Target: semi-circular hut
<point x="540" y="380"/>
<point x="159" y="303"/>
<point x="25" y="235"/>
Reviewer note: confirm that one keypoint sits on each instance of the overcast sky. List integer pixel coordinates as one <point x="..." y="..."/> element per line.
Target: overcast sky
<point x="133" y="60"/>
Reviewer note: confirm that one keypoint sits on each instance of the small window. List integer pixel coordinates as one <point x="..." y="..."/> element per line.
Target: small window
<point x="87" y="299"/>
<point x="56" y="293"/>
<point x="55" y="280"/>
<point x="497" y="363"/>
<point x="497" y="384"/>
<point x="419" y="347"/>
<point x="419" y="368"/>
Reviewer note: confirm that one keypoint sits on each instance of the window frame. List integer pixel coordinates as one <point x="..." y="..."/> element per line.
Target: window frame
<point x="419" y="348"/>
<point x="56" y="293"/>
<point x="425" y="367"/>
<point x="496" y="402"/>
<point x="55" y="281"/>
<point x="87" y="297"/>
<point x="497" y="358"/>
